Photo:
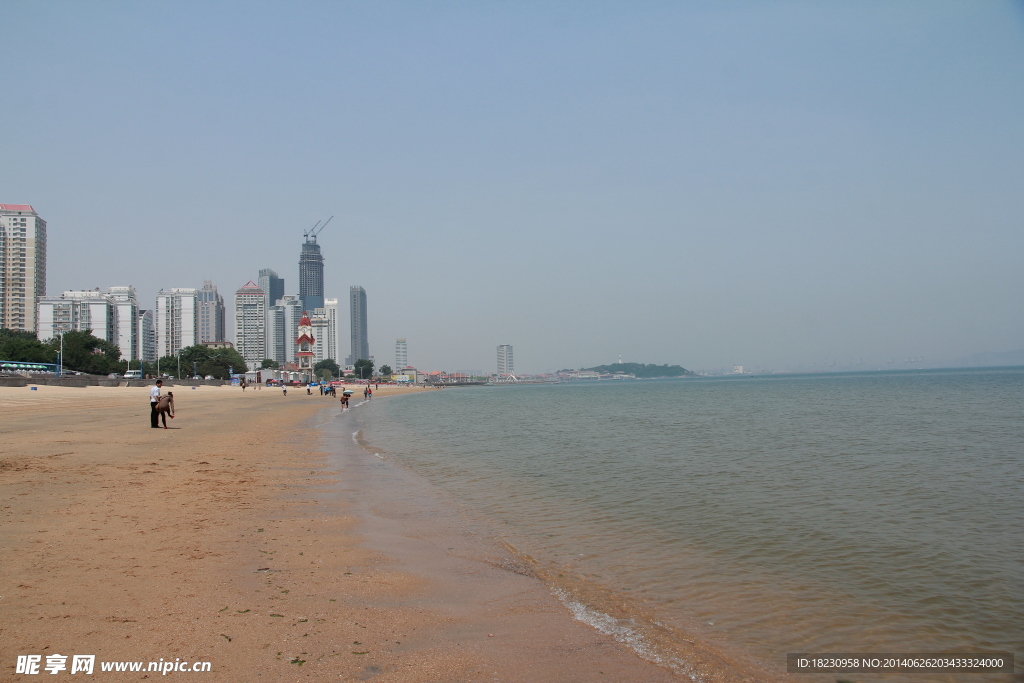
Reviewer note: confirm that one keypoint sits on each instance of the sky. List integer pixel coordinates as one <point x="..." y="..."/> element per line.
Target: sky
<point x="781" y="185"/>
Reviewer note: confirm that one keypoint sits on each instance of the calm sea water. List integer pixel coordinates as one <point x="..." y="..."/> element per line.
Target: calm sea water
<point x="825" y="513"/>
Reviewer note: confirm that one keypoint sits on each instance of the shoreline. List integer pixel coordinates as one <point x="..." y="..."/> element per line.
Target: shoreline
<point x="225" y="539"/>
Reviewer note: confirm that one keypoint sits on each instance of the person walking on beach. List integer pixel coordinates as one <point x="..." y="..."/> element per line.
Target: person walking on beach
<point x="165" y="407"/>
<point x="154" y="396"/>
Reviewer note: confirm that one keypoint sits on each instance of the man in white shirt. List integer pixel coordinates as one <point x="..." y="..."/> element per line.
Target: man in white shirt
<point x="154" y="396"/>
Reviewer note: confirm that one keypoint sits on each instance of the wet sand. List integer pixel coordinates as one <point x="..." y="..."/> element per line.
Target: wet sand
<point x="257" y="535"/>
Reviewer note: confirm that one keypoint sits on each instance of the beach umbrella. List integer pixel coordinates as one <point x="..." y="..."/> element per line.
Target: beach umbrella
<point x="348" y="391"/>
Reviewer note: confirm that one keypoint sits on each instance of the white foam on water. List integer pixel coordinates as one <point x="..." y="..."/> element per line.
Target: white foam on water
<point x="610" y="626"/>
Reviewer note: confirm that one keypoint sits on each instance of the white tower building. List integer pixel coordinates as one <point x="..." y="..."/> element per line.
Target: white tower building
<point x="251" y="324"/>
<point x="127" y="333"/>
<point x="324" y="322"/>
<point x="401" y="355"/>
<point x="506" y="366"/>
<point x="176" y="323"/>
<point x="22" y="266"/>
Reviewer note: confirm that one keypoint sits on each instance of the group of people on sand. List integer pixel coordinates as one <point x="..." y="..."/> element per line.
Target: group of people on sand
<point x="161" y="407"/>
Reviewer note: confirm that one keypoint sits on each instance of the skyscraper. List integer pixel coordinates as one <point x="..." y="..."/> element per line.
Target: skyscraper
<point x="175" y="320"/>
<point x="401" y="355"/>
<point x="22" y="266"/>
<point x="211" y="314"/>
<point x="273" y="285"/>
<point x="251" y="324"/>
<point x="357" y="318"/>
<point x="311" y="275"/>
<point x="505" y="364"/>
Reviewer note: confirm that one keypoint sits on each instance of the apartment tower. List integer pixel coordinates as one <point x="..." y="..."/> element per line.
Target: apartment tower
<point x="176" y="320"/>
<point x="127" y="332"/>
<point x="22" y="266"/>
<point x="251" y="324"/>
<point x="401" y="355"/>
<point x="505" y="364"/>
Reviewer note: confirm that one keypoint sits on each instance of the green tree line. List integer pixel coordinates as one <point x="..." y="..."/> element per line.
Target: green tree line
<point x="84" y="352"/>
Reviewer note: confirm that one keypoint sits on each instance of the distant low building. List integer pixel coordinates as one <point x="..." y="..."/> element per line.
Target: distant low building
<point x="87" y="310"/>
<point x="218" y="345"/>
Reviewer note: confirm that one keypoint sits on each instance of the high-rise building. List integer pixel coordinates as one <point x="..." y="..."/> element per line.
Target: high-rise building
<point x="147" y="336"/>
<point x="127" y="334"/>
<point x="22" y="266"/>
<point x="251" y="324"/>
<point x="273" y="285"/>
<point x="334" y="345"/>
<point x="324" y="322"/>
<point x="283" y="321"/>
<point x="311" y="275"/>
<point x="357" y="318"/>
<point x="211" y="314"/>
<point x="176" y="327"/>
<point x="87" y="310"/>
<point x="505" y="365"/>
<point x="401" y="355"/>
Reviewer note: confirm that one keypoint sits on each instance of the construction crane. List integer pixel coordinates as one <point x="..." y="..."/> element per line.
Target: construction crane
<point x="314" y="231"/>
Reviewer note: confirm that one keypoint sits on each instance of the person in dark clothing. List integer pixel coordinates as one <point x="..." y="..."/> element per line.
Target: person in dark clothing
<point x="154" y="397"/>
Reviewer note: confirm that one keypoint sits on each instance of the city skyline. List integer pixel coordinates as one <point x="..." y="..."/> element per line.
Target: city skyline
<point x="773" y="186"/>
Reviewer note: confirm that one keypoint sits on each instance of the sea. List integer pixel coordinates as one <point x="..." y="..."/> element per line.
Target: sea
<point x="738" y="519"/>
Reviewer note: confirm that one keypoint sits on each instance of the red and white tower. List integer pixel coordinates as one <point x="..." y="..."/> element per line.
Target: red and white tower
<point x="304" y="347"/>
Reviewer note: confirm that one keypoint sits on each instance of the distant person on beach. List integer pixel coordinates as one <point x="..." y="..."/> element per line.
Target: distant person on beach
<point x="344" y="401"/>
<point x="154" y="396"/>
<point x="165" y="407"/>
<point x="284" y="389"/>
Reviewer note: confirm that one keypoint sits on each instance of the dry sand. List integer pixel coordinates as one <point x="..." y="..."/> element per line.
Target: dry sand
<point x="225" y="539"/>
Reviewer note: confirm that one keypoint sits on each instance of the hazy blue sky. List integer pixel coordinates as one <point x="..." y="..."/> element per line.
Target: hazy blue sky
<point x="774" y="184"/>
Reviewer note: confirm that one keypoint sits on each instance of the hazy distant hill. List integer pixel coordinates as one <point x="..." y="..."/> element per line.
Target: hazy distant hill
<point x="642" y="370"/>
<point x="990" y="359"/>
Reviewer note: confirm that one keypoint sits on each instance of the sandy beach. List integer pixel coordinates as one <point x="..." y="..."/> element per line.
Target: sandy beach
<point x="250" y="536"/>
